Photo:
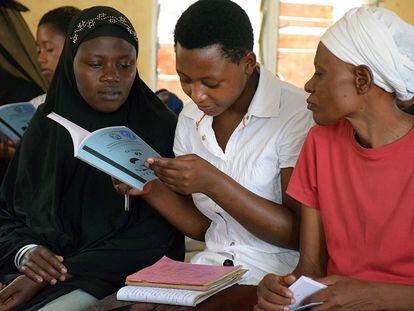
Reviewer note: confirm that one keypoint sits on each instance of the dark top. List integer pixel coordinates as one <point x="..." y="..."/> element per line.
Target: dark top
<point x="48" y="197"/>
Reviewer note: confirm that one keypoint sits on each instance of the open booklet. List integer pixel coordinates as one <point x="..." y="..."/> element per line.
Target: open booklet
<point x="15" y="118"/>
<point x="178" y="283"/>
<point x="302" y="288"/>
<point x="115" y="150"/>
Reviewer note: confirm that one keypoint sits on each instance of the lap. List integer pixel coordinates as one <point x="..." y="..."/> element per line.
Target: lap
<point x="76" y="300"/>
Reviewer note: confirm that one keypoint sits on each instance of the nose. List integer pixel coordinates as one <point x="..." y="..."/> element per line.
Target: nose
<point x="41" y="57"/>
<point x="309" y="85"/>
<point x="110" y="74"/>
<point x="198" y="94"/>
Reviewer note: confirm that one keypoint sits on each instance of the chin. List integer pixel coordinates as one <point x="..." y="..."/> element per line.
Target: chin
<point x="106" y="107"/>
<point x="323" y="121"/>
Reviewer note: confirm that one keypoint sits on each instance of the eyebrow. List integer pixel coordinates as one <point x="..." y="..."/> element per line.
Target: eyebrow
<point x="201" y="78"/>
<point x="103" y="55"/>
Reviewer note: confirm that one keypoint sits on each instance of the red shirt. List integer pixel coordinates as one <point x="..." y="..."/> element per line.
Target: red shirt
<point x="366" y="200"/>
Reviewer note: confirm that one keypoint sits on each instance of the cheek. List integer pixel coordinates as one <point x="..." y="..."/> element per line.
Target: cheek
<point x="85" y="86"/>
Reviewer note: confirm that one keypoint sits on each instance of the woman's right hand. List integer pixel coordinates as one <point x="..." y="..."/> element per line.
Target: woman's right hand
<point x="273" y="293"/>
<point x="40" y="264"/>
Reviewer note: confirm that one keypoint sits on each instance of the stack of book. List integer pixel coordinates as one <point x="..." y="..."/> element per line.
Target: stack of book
<point x="178" y="283"/>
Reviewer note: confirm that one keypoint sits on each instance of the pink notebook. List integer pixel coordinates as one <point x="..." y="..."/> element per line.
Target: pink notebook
<point x="170" y="272"/>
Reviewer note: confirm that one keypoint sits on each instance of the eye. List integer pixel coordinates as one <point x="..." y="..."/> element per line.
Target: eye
<point x="94" y="65"/>
<point x="125" y="66"/>
<point x="50" y="50"/>
<point x="185" y="81"/>
<point x="211" y="85"/>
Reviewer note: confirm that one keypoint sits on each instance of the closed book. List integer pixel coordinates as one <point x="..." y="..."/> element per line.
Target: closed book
<point x="169" y="273"/>
<point x="178" y="283"/>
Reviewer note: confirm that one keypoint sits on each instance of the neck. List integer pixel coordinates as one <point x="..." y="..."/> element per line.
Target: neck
<point x="381" y="123"/>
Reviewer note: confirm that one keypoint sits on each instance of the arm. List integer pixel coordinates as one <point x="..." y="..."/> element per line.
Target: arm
<point x="268" y="220"/>
<point x="313" y="253"/>
<point x="351" y="294"/>
<point x="178" y="209"/>
<point x="272" y="291"/>
<point x="274" y="223"/>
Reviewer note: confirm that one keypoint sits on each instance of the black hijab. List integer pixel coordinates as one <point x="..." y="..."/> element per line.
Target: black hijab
<point x="48" y="197"/>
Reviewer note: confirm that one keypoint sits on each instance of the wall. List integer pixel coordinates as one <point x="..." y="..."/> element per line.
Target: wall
<point x="142" y="15"/>
<point x="404" y="8"/>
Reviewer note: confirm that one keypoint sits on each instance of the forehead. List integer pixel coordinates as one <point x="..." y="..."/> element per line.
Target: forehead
<point x="48" y="32"/>
<point x="106" y="46"/>
<point x="201" y="62"/>
<point x="324" y="57"/>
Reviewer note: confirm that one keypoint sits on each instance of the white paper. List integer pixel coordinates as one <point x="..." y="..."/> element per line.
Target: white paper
<point x="171" y="296"/>
<point x="302" y="288"/>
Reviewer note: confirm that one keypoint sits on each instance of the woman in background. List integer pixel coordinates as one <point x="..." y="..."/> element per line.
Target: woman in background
<point x="50" y="38"/>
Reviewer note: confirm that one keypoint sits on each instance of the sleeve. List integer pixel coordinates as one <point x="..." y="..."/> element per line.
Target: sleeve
<point x="181" y="133"/>
<point x="291" y="138"/>
<point x="139" y="246"/>
<point x="14" y="233"/>
<point x="303" y="183"/>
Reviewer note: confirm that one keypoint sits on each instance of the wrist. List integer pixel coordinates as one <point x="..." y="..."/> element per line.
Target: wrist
<point x="214" y="182"/>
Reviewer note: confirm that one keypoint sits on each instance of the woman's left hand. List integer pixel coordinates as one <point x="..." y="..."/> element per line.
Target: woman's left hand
<point x="344" y="293"/>
<point x="185" y="174"/>
<point x="21" y="290"/>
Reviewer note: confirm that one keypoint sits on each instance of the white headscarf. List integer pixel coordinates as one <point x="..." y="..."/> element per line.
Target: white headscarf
<point x="379" y="39"/>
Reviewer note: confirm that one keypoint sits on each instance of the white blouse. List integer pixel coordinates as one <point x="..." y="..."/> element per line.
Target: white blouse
<point x="268" y="139"/>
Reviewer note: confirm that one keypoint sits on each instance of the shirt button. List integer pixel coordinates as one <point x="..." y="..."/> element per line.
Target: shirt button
<point x="247" y="117"/>
<point x="203" y="137"/>
<point x="232" y="243"/>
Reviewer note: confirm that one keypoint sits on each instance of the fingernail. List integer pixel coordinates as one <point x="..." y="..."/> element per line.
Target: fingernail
<point x="64" y="270"/>
<point x="39" y="279"/>
<point x="286" y="308"/>
<point x="150" y="160"/>
<point x="62" y="278"/>
<point x="53" y="282"/>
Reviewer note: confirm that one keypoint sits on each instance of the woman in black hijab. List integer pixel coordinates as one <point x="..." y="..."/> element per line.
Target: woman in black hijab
<point x="66" y="207"/>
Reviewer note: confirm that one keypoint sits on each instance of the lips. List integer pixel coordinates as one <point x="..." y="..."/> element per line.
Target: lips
<point x="311" y="106"/>
<point x="109" y="94"/>
<point x="45" y="71"/>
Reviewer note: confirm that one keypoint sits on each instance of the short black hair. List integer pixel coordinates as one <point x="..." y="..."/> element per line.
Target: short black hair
<point x="59" y="18"/>
<point x="209" y="22"/>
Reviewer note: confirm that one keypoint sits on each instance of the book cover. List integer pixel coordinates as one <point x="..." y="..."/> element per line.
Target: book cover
<point x="175" y="274"/>
<point x="115" y="150"/>
<point x="15" y="118"/>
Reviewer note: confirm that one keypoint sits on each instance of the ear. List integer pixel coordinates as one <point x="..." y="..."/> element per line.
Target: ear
<point x="363" y="79"/>
<point x="249" y="61"/>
